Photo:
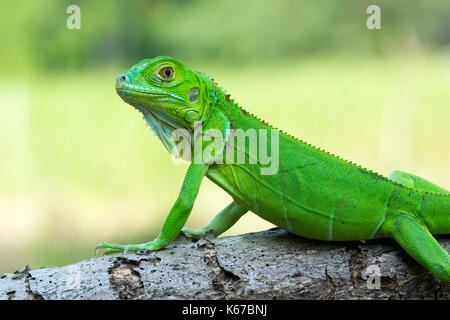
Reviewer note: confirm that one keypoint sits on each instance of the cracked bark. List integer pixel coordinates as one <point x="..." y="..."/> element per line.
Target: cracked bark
<point x="272" y="264"/>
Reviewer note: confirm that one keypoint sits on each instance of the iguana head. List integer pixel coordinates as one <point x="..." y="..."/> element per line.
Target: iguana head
<point x="169" y="94"/>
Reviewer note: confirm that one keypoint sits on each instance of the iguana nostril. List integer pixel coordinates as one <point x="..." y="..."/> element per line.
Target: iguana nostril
<point x="120" y="80"/>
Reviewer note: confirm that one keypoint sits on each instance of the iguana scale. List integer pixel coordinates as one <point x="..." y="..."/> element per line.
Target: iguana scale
<point x="313" y="194"/>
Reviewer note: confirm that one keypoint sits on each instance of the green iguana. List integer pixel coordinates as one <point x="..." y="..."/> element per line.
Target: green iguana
<point x="313" y="193"/>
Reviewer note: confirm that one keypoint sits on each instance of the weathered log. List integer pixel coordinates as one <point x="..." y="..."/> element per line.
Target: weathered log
<point x="272" y="264"/>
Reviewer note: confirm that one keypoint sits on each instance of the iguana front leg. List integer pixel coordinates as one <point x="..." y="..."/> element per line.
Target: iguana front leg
<point x="223" y="221"/>
<point x="175" y="220"/>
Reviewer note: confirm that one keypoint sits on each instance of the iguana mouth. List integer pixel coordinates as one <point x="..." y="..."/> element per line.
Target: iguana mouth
<point x="137" y="93"/>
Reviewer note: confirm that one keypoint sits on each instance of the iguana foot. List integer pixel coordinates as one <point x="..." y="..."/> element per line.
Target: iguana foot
<point x="194" y="233"/>
<point x="116" y="248"/>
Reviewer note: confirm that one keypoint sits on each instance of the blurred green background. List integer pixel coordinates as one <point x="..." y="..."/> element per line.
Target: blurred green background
<point x="79" y="166"/>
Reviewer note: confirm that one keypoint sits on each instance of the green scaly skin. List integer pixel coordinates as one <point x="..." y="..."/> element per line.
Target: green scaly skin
<point x="314" y="194"/>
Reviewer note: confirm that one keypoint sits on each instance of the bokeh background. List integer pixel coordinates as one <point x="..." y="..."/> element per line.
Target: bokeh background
<point x="79" y="166"/>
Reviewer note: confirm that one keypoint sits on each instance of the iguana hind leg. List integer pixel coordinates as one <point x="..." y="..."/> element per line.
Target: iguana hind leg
<point x="415" y="182"/>
<point x="413" y="236"/>
<point x="223" y="221"/>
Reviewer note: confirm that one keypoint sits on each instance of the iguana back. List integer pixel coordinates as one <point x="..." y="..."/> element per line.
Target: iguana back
<point x="316" y="194"/>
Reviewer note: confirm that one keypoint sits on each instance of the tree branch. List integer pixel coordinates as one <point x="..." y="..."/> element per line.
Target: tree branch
<point x="272" y="264"/>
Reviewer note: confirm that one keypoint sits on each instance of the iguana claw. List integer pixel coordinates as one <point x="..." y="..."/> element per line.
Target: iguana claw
<point x="117" y="248"/>
<point x="193" y="233"/>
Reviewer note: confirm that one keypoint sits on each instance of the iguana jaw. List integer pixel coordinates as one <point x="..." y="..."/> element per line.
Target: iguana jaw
<point x="150" y="104"/>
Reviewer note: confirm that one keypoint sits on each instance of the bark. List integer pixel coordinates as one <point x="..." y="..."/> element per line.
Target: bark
<point x="272" y="264"/>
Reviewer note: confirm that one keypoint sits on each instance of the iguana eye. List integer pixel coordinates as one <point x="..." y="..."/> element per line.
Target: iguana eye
<point x="166" y="73"/>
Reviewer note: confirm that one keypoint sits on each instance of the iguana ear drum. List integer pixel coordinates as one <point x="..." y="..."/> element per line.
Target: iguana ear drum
<point x="193" y="94"/>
